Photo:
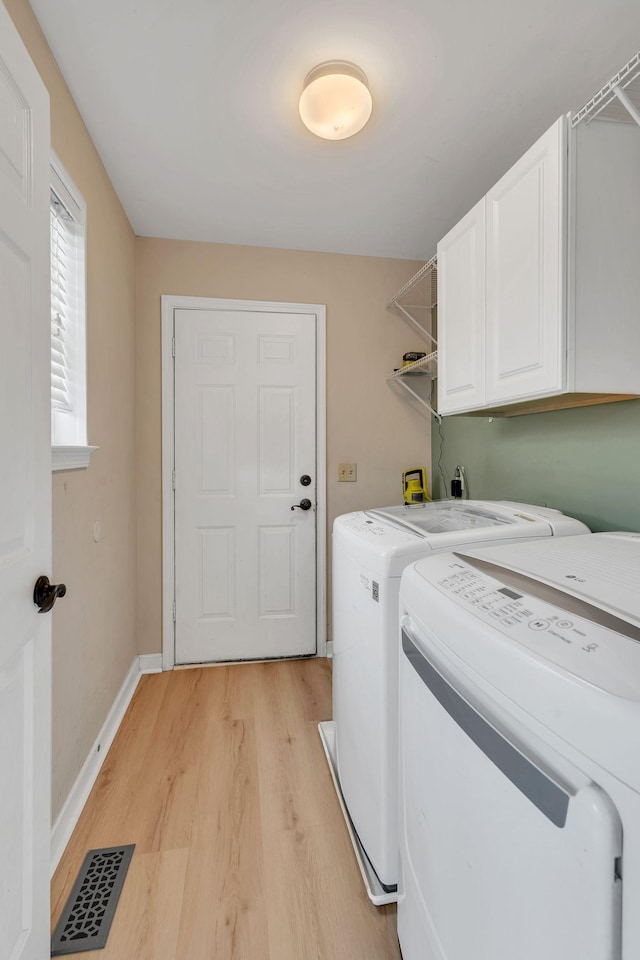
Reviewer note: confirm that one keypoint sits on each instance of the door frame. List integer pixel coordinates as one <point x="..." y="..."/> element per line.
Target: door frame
<point x="170" y="303"/>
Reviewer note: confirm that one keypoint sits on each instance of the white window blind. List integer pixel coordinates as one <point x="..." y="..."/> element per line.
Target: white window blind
<point x="68" y="218"/>
<point x="62" y="307"/>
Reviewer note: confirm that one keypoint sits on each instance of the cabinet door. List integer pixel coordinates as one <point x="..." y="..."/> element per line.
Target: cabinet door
<point x="526" y="313"/>
<point x="461" y="297"/>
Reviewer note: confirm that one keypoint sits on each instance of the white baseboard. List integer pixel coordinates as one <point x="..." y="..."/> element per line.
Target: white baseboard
<point x="150" y="662"/>
<point x="74" y="804"/>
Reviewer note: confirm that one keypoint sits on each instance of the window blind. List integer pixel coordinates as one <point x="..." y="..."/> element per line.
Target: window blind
<point x="62" y="282"/>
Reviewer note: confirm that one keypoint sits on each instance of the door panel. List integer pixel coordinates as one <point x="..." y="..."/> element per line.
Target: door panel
<point x="216" y="572"/>
<point x="276" y="572"/>
<point x="15" y="119"/>
<point x="244" y="434"/>
<point x="16" y="749"/>
<point x="25" y="502"/>
<point x="15" y="535"/>
<point x="461" y="298"/>
<point x="525" y="274"/>
<point x="276" y="441"/>
<point x="217" y="460"/>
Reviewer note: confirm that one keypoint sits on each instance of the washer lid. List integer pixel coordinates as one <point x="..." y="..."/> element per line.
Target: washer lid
<point x="447" y="516"/>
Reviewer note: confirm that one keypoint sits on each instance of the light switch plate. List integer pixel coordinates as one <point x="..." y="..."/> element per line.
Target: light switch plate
<point x="348" y="472"/>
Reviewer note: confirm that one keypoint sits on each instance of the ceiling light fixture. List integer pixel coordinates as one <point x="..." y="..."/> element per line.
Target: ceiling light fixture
<point x="335" y="101"/>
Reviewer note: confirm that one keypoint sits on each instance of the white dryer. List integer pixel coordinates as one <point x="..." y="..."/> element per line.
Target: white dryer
<point x="370" y="551"/>
<point x="520" y="752"/>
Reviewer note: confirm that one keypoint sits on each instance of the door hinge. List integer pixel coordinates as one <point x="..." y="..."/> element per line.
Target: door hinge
<point x="173" y="346"/>
<point x="173" y="611"/>
<point x="173" y="479"/>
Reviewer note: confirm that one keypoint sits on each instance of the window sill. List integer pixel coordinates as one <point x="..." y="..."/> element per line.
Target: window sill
<point x="70" y="458"/>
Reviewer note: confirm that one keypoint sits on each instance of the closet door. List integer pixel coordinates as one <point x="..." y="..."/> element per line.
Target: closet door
<point x="461" y="314"/>
<point x="525" y="319"/>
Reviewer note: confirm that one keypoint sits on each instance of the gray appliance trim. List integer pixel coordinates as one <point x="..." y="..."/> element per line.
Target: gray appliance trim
<point x="546" y="795"/>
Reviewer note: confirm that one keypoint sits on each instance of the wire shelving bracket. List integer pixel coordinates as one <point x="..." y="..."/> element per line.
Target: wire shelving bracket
<point x="619" y="99"/>
<point x="426" y="366"/>
<point x="426" y="277"/>
<point x="424" y="286"/>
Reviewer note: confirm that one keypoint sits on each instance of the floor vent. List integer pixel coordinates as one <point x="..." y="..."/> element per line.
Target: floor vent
<point x="88" y="913"/>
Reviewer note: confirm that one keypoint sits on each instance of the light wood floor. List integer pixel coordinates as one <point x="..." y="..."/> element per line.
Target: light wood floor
<point x="219" y="778"/>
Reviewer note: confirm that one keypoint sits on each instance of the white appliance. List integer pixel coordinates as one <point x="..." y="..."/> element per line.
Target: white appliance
<point x="520" y="753"/>
<point x="370" y="551"/>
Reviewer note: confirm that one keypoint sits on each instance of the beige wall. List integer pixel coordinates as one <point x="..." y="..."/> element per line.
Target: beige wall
<point x="94" y="627"/>
<point x="367" y="421"/>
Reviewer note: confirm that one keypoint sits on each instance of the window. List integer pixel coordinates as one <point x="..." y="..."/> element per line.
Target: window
<point x="68" y="323"/>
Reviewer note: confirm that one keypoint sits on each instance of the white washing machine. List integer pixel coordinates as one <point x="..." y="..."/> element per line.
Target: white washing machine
<point x="520" y="753"/>
<point x="370" y="551"/>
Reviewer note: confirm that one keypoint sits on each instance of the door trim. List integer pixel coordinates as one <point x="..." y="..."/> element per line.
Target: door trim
<point x="170" y="303"/>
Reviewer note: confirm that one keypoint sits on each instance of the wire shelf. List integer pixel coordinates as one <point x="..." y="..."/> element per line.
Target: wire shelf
<point x="619" y="99"/>
<point x="425" y="366"/>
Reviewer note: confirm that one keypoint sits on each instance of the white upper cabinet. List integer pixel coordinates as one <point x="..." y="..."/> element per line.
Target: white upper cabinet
<point x="538" y="285"/>
<point x="525" y="262"/>
<point x="461" y="299"/>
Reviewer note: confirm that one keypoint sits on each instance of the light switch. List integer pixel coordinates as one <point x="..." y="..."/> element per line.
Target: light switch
<point x="348" y="471"/>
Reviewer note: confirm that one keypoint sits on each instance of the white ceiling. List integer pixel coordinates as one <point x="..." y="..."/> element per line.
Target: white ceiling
<point x="192" y="105"/>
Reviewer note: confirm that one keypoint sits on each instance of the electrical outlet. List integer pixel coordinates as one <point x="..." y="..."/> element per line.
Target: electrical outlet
<point x="348" y="471"/>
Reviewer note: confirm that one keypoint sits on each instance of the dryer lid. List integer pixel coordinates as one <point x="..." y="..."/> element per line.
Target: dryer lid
<point x="601" y="569"/>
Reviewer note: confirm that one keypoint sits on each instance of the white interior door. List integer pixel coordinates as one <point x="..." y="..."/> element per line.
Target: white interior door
<point x="245" y="435"/>
<point x="25" y="502"/>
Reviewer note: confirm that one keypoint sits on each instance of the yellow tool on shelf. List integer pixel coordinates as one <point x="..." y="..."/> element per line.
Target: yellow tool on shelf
<point x="414" y="485"/>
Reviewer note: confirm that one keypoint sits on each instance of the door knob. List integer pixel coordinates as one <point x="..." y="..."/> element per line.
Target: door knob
<point x="45" y="594"/>
<point x="303" y="505"/>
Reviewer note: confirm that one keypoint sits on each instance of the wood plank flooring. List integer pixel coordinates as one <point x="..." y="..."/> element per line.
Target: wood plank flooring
<point x="219" y="778"/>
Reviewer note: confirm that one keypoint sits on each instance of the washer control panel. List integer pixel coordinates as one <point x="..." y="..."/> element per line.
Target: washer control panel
<point x="375" y="531"/>
<point x="361" y="525"/>
<point x="601" y="656"/>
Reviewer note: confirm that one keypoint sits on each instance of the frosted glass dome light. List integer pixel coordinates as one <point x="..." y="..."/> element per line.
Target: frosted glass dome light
<point x="335" y="101"/>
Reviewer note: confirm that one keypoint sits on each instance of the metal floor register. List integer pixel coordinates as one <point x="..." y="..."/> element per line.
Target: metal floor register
<point x="88" y="913"/>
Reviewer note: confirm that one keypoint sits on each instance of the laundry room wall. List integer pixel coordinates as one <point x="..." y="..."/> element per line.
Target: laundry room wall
<point x="367" y="421"/>
<point x="585" y="462"/>
<point x="94" y="626"/>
